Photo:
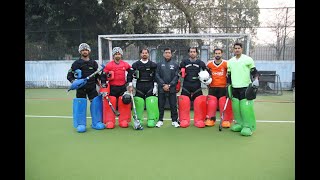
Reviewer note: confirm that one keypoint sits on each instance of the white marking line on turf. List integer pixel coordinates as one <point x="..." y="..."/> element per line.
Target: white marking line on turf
<point x="70" y="117"/>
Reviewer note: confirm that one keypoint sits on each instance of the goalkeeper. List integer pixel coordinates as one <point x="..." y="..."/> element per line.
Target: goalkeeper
<point x="217" y="91"/>
<point x="82" y="68"/>
<point x="115" y="86"/>
<point x="194" y="72"/>
<point x="240" y="68"/>
<point x="144" y="71"/>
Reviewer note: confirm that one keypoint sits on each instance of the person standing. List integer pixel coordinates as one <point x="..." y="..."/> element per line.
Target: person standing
<point x="80" y="69"/>
<point x="217" y="91"/>
<point x="191" y="90"/>
<point x="144" y="71"/>
<point x="241" y="69"/>
<point x="114" y="77"/>
<point x="167" y="79"/>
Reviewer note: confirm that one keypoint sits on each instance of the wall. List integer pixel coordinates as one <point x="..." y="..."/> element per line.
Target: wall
<point x="53" y="74"/>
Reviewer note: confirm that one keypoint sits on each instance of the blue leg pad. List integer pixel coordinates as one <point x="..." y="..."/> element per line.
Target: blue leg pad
<point x="96" y="113"/>
<point x="79" y="112"/>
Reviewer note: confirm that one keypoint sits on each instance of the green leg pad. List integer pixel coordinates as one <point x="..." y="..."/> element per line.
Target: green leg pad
<point x="139" y="102"/>
<point x="247" y="113"/>
<point x="237" y="115"/>
<point x="152" y="110"/>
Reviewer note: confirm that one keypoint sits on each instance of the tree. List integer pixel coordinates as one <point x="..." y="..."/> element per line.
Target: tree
<point x="57" y="27"/>
<point x="282" y="24"/>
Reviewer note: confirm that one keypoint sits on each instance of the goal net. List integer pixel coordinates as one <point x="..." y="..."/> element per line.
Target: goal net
<point x="179" y="43"/>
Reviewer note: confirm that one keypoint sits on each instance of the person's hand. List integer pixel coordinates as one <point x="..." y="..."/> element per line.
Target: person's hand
<point x="255" y="83"/>
<point x="166" y="87"/>
<point x="130" y="89"/>
<point x="104" y="85"/>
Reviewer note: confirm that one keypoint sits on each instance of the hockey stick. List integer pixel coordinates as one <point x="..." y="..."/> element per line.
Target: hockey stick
<point x="106" y="96"/>
<point x="136" y="122"/>
<point x="222" y="114"/>
<point x="81" y="82"/>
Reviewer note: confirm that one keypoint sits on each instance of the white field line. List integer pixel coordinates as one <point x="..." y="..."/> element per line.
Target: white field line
<point x="70" y="117"/>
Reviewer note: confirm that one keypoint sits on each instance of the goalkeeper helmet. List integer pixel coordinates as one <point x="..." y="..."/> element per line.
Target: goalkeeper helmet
<point x="126" y="98"/>
<point x="204" y="77"/>
<point x="117" y="50"/>
<point x="84" y="46"/>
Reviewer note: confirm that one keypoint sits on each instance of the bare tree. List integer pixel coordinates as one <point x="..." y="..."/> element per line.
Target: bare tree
<point x="283" y="29"/>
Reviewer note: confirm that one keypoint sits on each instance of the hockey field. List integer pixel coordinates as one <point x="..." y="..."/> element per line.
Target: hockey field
<point x="55" y="151"/>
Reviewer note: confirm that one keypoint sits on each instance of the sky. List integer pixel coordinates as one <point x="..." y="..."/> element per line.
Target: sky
<point x="264" y="34"/>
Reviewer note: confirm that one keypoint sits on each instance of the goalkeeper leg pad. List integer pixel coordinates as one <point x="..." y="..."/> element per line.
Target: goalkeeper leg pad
<point x="125" y="113"/>
<point x="200" y="111"/>
<point x="109" y="118"/>
<point x="80" y="114"/>
<point x="96" y="113"/>
<point x="212" y="104"/>
<point x="139" y="102"/>
<point x="184" y="111"/>
<point x="152" y="110"/>
<point x="248" y="116"/>
<point x="237" y="126"/>
<point x="228" y="115"/>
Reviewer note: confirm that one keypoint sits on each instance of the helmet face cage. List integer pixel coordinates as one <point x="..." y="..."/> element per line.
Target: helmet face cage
<point x="117" y="50"/>
<point x="84" y="46"/>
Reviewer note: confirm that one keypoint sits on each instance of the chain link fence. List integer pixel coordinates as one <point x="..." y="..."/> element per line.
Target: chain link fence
<point x="63" y="44"/>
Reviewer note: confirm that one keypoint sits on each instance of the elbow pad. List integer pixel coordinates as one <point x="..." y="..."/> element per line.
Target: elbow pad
<point x="183" y="72"/>
<point x="254" y="72"/>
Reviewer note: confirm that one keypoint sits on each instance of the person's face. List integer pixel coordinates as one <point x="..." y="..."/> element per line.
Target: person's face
<point x="117" y="56"/>
<point x="217" y="54"/>
<point x="144" y="54"/>
<point x="167" y="54"/>
<point x="237" y="50"/>
<point x="85" y="53"/>
<point x="192" y="53"/>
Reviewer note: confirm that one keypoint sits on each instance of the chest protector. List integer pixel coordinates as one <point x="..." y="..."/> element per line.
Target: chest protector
<point x="192" y="70"/>
<point x="146" y="72"/>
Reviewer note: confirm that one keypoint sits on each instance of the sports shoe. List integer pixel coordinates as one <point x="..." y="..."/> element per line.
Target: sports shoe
<point x="175" y="124"/>
<point x="225" y="124"/>
<point x="209" y="122"/>
<point x="159" y="124"/>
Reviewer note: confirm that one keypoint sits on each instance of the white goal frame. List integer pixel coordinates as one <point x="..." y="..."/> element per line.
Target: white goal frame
<point x="121" y="37"/>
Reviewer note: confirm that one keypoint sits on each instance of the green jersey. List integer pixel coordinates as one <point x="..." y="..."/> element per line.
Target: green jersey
<point x="240" y="70"/>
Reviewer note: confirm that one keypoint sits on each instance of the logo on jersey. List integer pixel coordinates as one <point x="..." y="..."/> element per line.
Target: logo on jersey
<point x="220" y="73"/>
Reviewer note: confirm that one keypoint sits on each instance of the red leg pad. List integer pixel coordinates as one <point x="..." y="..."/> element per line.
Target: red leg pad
<point x="212" y="104"/>
<point x="184" y="111"/>
<point x="125" y="113"/>
<point x="200" y="110"/>
<point x="109" y="118"/>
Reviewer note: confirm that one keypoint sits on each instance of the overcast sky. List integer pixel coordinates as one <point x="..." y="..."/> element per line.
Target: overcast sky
<point x="264" y="34"/>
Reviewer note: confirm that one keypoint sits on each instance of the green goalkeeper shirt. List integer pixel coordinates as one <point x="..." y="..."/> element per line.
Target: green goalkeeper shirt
<point x="240" y="70"/>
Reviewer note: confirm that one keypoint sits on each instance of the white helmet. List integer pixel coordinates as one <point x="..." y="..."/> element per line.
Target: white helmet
<point x="84" y="46"/>
<point x="117" y="50"/>
<point x="205" y="77"/>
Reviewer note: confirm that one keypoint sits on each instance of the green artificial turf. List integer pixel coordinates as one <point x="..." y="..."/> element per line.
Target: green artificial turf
<point x="55" y="151"/>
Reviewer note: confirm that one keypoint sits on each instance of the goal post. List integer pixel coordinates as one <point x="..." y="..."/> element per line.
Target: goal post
<point x="205" y="42"/>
